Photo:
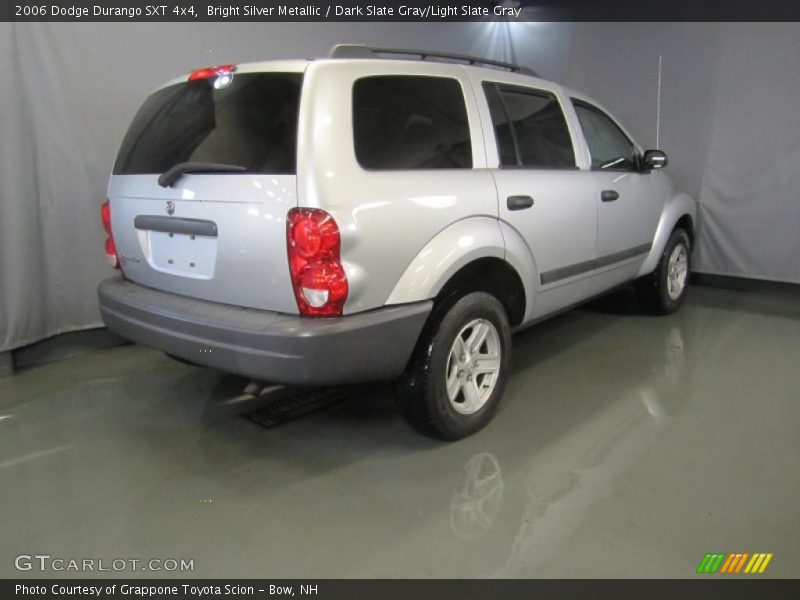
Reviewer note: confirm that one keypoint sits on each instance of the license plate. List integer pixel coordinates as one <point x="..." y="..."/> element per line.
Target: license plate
<point x="182" y="254"/>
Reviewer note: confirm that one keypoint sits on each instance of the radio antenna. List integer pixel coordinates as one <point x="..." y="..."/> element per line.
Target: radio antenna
<point x="658" y="105"/>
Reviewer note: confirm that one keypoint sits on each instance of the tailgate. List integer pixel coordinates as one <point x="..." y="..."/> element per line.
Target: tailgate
<point x="217" y="238"/>
<point x="217" y="230"/>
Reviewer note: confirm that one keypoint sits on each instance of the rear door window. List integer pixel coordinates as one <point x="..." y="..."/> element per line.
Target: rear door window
<point x="410" y="122"/>
<point x="530" y="128"/>
<point x="251" y="122"/>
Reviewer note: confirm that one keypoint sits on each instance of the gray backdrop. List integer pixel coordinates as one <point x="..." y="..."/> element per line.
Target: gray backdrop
<point x="69" y="91"/>
<point x="730" y="123"/>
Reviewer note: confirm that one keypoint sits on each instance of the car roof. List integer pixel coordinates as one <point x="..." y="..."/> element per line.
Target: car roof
<point x="360" y="52"/>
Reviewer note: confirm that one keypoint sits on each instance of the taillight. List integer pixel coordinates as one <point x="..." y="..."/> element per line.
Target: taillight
<point x="318" y="278"/>
<point x="111" y="248"/>
<point x="222" y="75"/>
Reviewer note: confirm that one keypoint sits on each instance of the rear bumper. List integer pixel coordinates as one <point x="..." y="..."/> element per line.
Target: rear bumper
<point x="264" y="345"/>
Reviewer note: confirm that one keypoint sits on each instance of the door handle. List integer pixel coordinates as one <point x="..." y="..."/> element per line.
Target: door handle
<point x="519" y="202"/>
<point x="609" y="195"/>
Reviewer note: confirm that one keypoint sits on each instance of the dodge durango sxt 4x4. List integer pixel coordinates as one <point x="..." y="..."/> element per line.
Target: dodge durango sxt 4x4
<point x="369" y="216"/>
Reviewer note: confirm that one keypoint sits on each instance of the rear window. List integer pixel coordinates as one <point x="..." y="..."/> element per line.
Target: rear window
<point x="410" y="122"/>
<point x="251" y="122"/>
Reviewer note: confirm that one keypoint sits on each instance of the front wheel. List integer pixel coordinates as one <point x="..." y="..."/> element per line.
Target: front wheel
<point x="664" y="290"/>
<point x="458" y="372"/>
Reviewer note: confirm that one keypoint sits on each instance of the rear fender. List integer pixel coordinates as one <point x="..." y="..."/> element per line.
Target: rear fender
<point x="448" y="251"/>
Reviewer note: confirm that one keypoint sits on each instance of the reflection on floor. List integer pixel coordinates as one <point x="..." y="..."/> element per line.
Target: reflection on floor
<point x="626" y="446"/>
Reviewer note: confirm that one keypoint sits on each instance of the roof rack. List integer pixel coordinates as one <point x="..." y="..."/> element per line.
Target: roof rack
<point x="362" y="51"/>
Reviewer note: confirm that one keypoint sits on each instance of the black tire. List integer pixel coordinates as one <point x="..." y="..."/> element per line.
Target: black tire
<point x="422" y="390"/>
<point x="653" y="291"/>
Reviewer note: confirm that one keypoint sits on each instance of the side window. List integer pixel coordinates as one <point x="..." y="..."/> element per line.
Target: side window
<point x="410" y="122"/>
<point x="609" y="148"/>
<point x="529" y="127"/>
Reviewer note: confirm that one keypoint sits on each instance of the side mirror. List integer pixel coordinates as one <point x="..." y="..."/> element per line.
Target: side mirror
<point x="654" y="159"/>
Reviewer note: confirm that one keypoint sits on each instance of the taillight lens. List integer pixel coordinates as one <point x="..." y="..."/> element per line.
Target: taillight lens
<point x="111" y="248"/>
<point x="318" y="278"/>
<point x="221" y="74"/>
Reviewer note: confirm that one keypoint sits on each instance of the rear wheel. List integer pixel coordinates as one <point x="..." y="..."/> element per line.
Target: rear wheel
<point x="457" y="375"/>
<point x="664" y="290"/>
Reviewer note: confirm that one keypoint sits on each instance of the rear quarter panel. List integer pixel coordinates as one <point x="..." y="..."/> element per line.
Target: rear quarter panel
<point x="386" y="218"/>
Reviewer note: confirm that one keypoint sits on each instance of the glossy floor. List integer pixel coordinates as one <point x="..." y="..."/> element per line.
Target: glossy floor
<point x="626" y="446"/>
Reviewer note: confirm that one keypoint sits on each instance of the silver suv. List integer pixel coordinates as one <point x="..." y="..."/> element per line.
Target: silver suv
<point x="380" y="214"/>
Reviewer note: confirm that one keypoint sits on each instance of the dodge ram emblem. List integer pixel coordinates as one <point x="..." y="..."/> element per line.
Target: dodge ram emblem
<point x="170" y="207"/>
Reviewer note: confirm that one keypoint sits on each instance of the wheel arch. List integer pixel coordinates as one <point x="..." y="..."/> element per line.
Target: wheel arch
<point x="469" y="255"/>
<point x="680" y="211"/>
<point x="494" y="276"/>
<point x="686" y="222"/>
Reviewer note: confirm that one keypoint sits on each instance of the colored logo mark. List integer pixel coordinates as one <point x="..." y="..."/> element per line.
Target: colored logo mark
<point x="735" y="562"/>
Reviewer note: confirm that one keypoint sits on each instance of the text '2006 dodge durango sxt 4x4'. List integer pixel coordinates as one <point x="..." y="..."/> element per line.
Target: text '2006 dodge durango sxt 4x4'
<point x="371" y="217"/>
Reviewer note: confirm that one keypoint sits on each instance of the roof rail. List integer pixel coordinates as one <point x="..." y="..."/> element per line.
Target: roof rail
<point x="362" y="51"/>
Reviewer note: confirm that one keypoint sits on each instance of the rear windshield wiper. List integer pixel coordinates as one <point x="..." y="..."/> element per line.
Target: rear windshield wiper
<point x="170" y="176"/>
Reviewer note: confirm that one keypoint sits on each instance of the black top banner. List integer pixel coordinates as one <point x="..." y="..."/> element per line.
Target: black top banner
<point x="402" y="10"/>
